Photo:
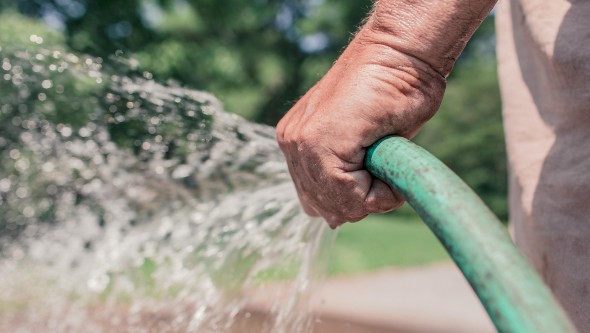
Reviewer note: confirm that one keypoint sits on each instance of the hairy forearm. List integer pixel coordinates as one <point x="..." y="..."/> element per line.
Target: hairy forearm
<point x="433" y="31"/>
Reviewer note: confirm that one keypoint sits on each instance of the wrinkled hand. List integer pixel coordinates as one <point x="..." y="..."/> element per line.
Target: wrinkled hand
<point x="371" y="91"/>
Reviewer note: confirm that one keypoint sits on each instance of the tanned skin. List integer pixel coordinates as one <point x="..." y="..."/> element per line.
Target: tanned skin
<point x="389" y="81"/>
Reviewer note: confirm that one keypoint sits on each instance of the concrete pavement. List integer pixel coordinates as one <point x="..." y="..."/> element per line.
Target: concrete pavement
<point x="429" y="299"/>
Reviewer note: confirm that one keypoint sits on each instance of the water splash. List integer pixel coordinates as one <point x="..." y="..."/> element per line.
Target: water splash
<point x="128" y="205"/>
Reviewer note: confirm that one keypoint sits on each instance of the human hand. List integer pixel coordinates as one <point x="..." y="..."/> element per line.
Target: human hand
<point x="372" y="91"/>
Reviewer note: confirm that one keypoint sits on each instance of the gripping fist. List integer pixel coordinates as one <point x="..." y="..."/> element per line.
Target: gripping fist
<point x="371" y="91"/>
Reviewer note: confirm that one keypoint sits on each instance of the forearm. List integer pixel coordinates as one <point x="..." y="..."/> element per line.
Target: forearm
<point x="433" y="31"/>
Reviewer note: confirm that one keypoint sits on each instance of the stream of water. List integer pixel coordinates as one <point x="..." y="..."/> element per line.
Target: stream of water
<point x="128" y="205"/>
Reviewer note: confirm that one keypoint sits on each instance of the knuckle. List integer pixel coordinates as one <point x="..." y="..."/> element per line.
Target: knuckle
<point x="353" y="211"/>
<point x="354" y="214"/>
<point x="308" y="138"/>
<point x="346" y="185"/>
<point x="375" y="205"/>
<point x="282" y="137"/>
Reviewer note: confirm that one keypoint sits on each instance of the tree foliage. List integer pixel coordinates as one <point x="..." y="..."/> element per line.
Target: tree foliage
<point x="257" y="56"/>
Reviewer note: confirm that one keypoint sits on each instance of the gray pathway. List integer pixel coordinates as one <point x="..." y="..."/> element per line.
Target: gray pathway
<point x="429" y="299"/>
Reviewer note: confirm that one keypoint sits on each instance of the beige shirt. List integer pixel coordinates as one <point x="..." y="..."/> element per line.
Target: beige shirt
<point x="544" y="69"/>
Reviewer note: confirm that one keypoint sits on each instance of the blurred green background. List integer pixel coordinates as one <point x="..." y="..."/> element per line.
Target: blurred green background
<point x="259" y="56"/>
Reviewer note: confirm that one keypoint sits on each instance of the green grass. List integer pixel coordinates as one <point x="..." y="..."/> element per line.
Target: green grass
<point x="380" y="241"/>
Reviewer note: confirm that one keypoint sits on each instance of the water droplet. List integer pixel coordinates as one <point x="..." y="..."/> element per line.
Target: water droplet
<point x="36" y="39"/>
<point x="87" y="174"/>
<point x="155" y="120"/>
<point x="98" y="282"/>
<point x="51" y="189"/>
<point x="29" y="211"/>
<point x="5" y="184"/>
<point x="70" y="57"/>
<point x="48" y="167"/>
<point x="27" y="137"/>
<point x="16" y="121"/>
<point x="84" y="132"/>
<point x="14" y="154"/>
<point x="22" y="165"/>
<point x="182" y="171"/>
<point x="46" y="84"/>
<point x="66" y="131"/>
<point x="22" y="192"/>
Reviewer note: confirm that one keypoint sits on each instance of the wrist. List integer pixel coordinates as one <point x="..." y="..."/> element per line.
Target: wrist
<point x="373" y="47"/>
<point x="433" y="32"/>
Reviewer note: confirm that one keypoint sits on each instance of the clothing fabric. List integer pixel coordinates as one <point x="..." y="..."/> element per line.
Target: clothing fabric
<point x="544" y="71"/>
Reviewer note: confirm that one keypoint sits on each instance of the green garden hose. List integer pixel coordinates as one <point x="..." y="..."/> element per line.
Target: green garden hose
<point x="511" y="291"/>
